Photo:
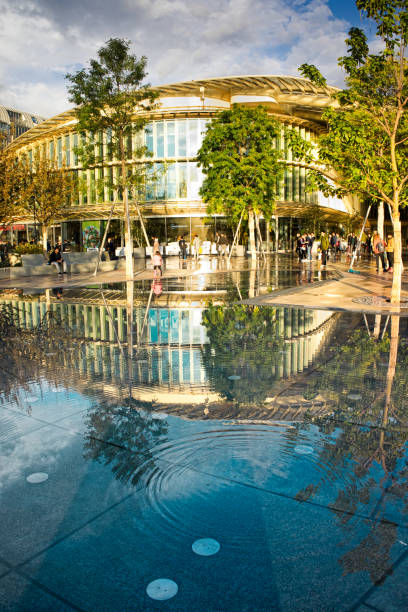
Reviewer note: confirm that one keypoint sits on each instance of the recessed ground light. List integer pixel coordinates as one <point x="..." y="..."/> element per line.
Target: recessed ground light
<point x="37" y="477"/>
<point x="162" y="589"/>
<point x="303" y="450"/>
<point x="206" y="547"/>
<point x="234" y="377"/>
<point x="32" y="398"/>
<point x="354" y="396"/>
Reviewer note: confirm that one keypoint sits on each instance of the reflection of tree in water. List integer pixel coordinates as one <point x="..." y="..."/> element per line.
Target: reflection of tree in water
<point x="23" y="352"/>
<point x="371" y="444"/>
<point x="124" y="437"/>
<point x="244" y="342"/>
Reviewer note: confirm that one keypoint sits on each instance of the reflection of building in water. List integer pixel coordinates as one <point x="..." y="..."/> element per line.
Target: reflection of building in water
<point x="170" y="364"/>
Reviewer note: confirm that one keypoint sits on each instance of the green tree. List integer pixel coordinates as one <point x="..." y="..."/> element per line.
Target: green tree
<point x="241" y="165"/>
<point x="367" y="139"/>
<point x="45" y="192"/>
<point x="112" y="103"/>
<point x="242" y="357"/>
<point x="313" y="219"/>
<point x="11" y="174"/>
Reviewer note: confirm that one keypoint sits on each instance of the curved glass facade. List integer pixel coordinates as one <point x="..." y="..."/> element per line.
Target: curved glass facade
<point x="170" y="198"/>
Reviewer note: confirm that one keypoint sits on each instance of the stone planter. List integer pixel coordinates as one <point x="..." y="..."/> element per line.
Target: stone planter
<point x="139" y="252"/>
<point x="238" y="251"/>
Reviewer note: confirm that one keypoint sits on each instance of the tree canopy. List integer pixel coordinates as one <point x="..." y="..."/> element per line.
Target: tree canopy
<point x="46" y="191"/>
<point x="241" y="164"/>
<point x="366" y="143"/>
<point x="113" y="103"/>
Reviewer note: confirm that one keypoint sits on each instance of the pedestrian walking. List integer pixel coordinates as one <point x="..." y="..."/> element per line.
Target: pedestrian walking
<point x="183" y="248"/>
<point x="157" y="264"/>
<point x="196" y="245"/>
<point x="379" y="252"/>
<point x="324" y="247"/>
<point x="223" y="245"/>
<point x="389" y="249"/>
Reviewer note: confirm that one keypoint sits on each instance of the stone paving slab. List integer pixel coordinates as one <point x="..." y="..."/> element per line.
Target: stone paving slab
<point x="352" y="292"/>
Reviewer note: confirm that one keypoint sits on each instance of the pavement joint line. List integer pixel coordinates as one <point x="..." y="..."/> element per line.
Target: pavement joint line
<point x="286" y="496"/>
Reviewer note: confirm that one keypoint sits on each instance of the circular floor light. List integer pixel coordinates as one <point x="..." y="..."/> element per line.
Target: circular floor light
<point x="31" y="399"/>
<point x="354" y="396"/>
<point x="37" y="477"/>
<point x="206" y="547"/>
<point x="234" y="377"/>
<point x="303" y="450"/>
<point x="162" y="589"/>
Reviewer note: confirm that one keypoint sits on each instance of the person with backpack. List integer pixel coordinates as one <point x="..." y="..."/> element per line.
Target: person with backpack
<point x="379" y="251"/>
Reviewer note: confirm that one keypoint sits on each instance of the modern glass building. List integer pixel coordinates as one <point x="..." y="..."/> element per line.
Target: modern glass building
<point x="171" y="203"/>
<point x="13" y="123"/>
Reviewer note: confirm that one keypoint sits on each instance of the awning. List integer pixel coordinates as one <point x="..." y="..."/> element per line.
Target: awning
<point x="17" y="227"/>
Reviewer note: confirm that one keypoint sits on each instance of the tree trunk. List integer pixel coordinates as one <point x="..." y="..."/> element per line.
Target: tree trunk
<point x="380" y="219"/>
<point x="44" y="239"/>
<point x="397" y="275"/>
<point x="128" y="227"/>
<point x="251" y="227"/>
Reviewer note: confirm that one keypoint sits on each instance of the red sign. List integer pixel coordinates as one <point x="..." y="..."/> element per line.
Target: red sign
<point x="15" y="227"/>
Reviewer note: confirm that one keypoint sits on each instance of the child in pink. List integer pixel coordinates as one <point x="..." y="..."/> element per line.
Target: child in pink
<point x="157" y="263"/>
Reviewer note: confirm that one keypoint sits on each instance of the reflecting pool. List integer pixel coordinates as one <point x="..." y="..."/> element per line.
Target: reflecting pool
<point x="173" y="448"/>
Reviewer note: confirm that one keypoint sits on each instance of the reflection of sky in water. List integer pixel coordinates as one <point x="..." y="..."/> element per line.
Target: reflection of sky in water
<point x="272" y="431"/>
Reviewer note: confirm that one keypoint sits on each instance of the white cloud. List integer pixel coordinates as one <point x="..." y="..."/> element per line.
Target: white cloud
<point x="41" y="41"/>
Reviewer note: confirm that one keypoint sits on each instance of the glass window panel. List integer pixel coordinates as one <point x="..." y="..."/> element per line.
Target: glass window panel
<point x="99" y="147"/>
<point x="84" y="185"/>
<point x="67" y="151"/>
<point x="194" y="182"/>
<point x="171" y="138"/>
<point x="186" y="365"/>
<point x="110" y="184"/>
<point x="164" y="326"/>
<point x="182" y="180"/>
<point x="174" y="326"/>
<point x="153" y="331"/>
<point x="52" y="149"/>
<point x="149" y="137"/>
<point x="181" y="140"/>
<point x="75" y="160"/>
<point x="155" y="366"/>
<point x="175" y="363"/>
<point x="92" y="185"/>
<point x="192" y="126"/>
<point x="160" y="182"/>
<point x="100" y="186"/>
<point x="150" y="183"/>
<point x="165" y="366"/>
<point x="159" y="139"/>
<point x="202" y="130"/>
<point x="59" y="152"/>
<point x="109" y="147"/>
<point x="171" y="182"/>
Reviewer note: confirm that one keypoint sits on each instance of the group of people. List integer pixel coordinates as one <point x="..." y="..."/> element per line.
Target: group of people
<point x="304" y="245"/>
<point x="384" y="252"/>
<point x="331" y="245"/>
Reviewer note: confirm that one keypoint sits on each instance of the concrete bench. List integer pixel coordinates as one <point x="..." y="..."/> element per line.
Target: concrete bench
<point x="77" y="263"/>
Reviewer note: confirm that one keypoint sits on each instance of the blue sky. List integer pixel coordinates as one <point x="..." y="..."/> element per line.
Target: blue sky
<point x="42" y="40"/>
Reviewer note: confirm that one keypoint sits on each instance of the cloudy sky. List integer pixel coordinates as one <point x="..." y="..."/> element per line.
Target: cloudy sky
<point x="42" y="40"/>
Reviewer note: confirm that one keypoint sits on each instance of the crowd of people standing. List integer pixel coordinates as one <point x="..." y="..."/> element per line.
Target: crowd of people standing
<point x="331" y="245"/>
